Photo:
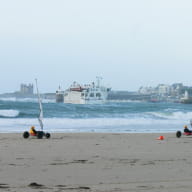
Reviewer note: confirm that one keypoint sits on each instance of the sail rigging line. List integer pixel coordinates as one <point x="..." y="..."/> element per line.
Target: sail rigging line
<point x="40" y="108"/>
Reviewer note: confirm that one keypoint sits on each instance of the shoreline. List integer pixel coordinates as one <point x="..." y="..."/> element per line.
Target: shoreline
<point x="98" y="162"/>
<point x="94" y="132"/>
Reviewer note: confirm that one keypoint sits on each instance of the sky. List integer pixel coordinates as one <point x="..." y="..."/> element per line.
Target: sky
<point x="129" y="43"/>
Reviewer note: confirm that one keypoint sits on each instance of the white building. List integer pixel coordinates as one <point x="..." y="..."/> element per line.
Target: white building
<point x="163" y="89"/>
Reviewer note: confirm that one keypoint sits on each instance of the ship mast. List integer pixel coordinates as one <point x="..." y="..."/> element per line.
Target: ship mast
<point x="99" y="78"/>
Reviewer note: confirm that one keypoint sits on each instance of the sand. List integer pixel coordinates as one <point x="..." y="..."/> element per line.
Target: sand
<point x="96" y="162"/>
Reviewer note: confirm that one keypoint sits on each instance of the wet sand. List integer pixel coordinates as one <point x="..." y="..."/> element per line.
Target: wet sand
<point x="96" y="162"/>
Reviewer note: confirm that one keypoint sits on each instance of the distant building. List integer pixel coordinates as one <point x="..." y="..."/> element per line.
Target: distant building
<point x="177" y="89"/>
<point x="163" y="90"/>
<point x="147" y="90"/>
<point x="26" y="89"/>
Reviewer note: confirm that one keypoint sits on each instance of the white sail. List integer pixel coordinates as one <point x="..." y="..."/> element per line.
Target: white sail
<point x="40" y="108"/>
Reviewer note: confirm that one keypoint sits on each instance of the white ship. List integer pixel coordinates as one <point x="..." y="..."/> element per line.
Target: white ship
<point x="92" y="93"/>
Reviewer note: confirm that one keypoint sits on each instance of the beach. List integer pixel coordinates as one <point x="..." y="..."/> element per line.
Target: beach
<point x="98" y="162"/>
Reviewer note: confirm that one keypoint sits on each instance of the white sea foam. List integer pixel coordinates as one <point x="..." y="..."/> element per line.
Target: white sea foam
<point x="14" y="99"/>
<point x="7" y="99"/>
<point x="9" y="113"/>
<point x="181" y="115"/>
<point x="93" y="124"/>
<point x="32" y="100"/>
<point x="173" y="115"/>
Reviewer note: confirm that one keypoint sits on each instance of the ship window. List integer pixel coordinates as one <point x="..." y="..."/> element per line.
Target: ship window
<point x="82" y="94"/>
<point x="92" y="95"/>
<point x="98" y="94"/>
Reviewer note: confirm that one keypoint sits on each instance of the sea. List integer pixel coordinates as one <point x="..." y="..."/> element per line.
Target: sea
<point x="18" y="115"/>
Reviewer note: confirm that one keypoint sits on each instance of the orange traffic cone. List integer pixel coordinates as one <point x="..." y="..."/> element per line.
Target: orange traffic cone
<point x="160" y="138"/>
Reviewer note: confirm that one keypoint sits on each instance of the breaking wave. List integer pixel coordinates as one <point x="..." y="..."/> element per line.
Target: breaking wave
<point x="171" y="115"/>
<point x="30" y="100"/>
<point x="92" y="125"/>
<point x="9" y="113"/>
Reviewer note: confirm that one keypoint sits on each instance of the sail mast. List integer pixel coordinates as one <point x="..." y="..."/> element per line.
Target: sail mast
<point x="40" y="108"/>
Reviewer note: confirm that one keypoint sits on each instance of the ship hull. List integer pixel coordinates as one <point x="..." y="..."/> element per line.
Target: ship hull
<point x="74" y="97"/>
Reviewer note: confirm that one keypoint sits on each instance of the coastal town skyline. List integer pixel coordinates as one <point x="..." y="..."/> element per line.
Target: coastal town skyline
<point x="176" y="92"/>
<point x="30" y="88"/>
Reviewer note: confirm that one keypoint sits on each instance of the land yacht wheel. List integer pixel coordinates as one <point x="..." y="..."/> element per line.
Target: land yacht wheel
<point x="178" y="134"/>
<point x="47" y="135"/>
<point x="26" y="134"/>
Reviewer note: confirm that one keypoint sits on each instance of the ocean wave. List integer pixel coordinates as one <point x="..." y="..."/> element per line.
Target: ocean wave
<point x="30" y="100"/>
<point x="9" y="113"/>
<point x="114" y="117"/>
<point x="171" y="115"/>
<point x="7" y="99"/>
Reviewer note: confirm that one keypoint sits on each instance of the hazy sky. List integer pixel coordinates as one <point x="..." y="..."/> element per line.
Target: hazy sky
<point x="128" y="42"/>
